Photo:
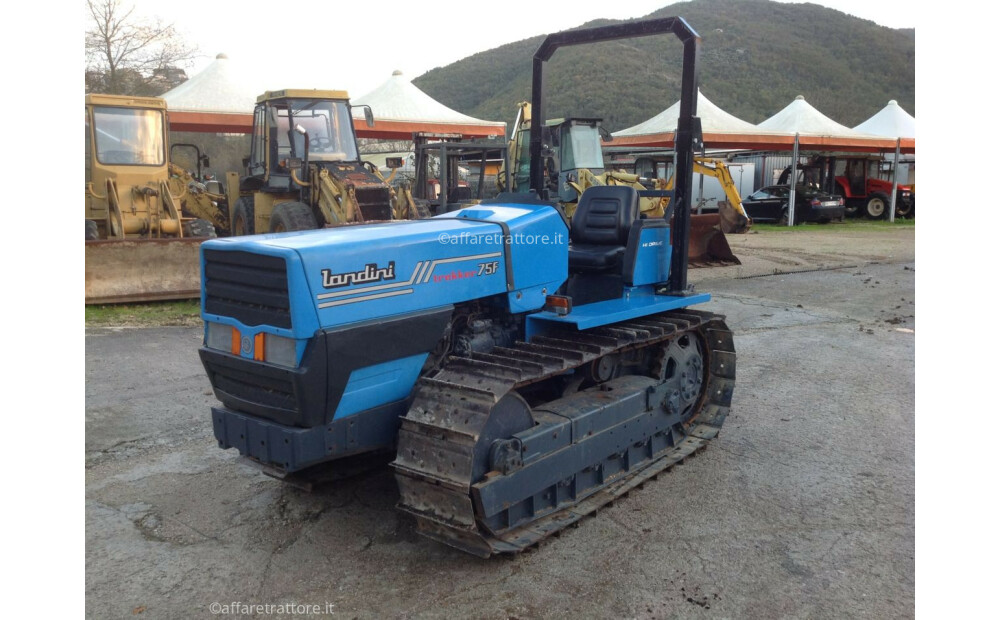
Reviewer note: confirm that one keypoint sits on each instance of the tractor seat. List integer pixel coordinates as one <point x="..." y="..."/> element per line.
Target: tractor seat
<point x="599" y="228"/>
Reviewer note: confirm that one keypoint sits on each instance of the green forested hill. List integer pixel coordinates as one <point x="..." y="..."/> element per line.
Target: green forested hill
<point x="756" y="57"/>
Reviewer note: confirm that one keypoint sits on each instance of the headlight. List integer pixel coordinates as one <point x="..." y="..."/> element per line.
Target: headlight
<point x="279" y="350"/>
<point x="220" y="337"/>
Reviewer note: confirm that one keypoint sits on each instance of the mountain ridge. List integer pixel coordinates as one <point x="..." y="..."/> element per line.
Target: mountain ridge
<point x="756" y="57"/>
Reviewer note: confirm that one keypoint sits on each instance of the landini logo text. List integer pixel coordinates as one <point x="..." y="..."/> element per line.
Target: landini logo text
<point x="371" y="273"/>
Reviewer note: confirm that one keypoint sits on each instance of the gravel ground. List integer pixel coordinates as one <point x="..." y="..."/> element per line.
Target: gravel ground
<point x="802" y="508"/>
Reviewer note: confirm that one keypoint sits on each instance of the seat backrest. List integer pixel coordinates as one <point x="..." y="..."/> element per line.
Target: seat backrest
<point x="604" y="215"/>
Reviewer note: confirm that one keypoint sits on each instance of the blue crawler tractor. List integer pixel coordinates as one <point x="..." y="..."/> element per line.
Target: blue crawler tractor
<point x="526" y="370"/>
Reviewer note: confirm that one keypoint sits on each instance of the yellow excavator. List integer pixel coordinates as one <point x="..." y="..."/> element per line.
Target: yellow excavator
<point x="573" y="161"/>
<point x="304" y="170"/>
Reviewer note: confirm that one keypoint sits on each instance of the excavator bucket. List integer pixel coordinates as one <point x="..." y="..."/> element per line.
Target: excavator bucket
<point x="707" y="245"/>
<point x="125" y="271"/>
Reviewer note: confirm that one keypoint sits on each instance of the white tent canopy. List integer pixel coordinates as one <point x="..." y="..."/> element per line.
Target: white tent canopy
<point x="397" y="99"/>
<point x="219" y="88"/>
<point x="800" y="117"/>
<point x="713" y="120"/>
<point x="892" y="121"/>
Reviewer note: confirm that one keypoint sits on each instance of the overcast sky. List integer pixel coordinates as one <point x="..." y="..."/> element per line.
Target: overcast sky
<point x="356" y="46"/>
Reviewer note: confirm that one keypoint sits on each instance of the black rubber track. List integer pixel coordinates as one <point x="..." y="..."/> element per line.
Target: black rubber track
<point x="437" y="440"/>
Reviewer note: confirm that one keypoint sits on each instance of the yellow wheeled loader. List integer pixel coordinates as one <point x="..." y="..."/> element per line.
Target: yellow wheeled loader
<point x="304" y="170"/>
<point x="139" y="245"/>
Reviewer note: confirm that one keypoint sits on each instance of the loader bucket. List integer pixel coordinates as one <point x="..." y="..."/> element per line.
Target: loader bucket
<point x="707" y="245"/>
<point x="125" y="271"/>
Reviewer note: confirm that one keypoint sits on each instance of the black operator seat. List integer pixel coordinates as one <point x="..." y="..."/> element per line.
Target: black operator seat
<point x="599" y="228"/>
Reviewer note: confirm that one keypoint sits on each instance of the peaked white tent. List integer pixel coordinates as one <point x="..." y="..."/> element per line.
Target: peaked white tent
<point x="800" y="117"/>
<point x="220" y="98"/>
<point x="721" y="130"/>
<point x="400" y="109"/>
<point x="713" y="120"/>
<point x="891" y="121"/>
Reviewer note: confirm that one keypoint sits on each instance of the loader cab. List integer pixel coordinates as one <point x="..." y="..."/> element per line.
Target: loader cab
<point x="126" y="162"/>
<point x="126" y="133"/>
<point x="571" y="145"/>
<point x="292" y="126"/>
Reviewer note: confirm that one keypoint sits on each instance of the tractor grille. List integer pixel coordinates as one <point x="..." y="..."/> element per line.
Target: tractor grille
<point x="271" y="392"/>
<point x="250" y="288"/>
<point x="374" y="203"/>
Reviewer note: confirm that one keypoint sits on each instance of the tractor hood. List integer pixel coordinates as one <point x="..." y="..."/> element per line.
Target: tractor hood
<point x="342" y="275"/>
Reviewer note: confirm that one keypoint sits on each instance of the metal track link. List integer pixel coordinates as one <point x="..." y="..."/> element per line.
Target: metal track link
<point x="438" y="436"/>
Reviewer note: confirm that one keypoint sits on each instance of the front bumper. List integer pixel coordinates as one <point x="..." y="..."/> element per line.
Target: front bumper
<point x="290" y="448"/>
<point x="817" y="214"/>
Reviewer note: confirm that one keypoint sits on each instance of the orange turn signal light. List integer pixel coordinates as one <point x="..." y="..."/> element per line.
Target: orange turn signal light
<point x="258" y="347"/>
<point x="558" y="304"/>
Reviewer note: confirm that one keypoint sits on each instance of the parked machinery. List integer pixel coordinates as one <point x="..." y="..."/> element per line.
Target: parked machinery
<point x="200" y="196"/>
<point x="140" y="246"/>
<point x="540" y="371"/>
<point x="127" y="172"/>
<point x="437" y="187"/>
<point x="572" y="160"/>
<point x="304" y="170"/>
<point x="856" y="178"/>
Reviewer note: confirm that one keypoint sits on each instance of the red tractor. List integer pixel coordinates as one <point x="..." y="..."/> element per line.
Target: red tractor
<point x="864" y="192"/>
<point x="857" y="180"/>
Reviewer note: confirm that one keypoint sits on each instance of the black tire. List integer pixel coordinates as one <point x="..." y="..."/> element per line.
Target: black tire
<point x="423" y="208"/>
<point x="289" y="216"/>
<point x="905" y="210"/>
<point x="92" y="231"/>
<point x="783" y="220"/>
<point x="243" y="217"/>
<point x="852" y="208"/>
<point x="199" y="228"/>
<point x="877" y="206"/>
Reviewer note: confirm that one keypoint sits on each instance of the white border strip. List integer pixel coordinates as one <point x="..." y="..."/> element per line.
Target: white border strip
<point x="341" y="302"/>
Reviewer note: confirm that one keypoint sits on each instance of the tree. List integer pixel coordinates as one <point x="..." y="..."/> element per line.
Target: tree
<point x="127" y="55"/>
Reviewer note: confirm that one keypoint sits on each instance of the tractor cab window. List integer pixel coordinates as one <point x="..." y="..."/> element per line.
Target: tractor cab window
<point x="856" y="170"/>
<point x="329" y="129"/>
<point x="129" y="136"/>
<point x="582" y="147"/>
